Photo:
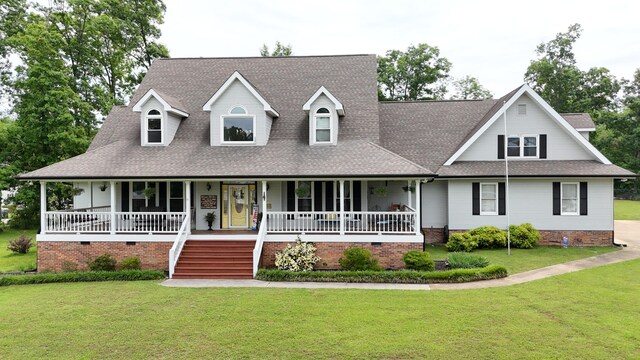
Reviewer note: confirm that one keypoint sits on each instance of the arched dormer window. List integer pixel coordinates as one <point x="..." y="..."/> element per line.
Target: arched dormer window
<point x="238" y="127"/>
<point x="154" y="127"/>
<point x="322" y="126"/>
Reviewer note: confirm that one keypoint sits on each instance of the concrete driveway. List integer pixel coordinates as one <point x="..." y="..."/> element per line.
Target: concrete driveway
<point x="628" y="232"/>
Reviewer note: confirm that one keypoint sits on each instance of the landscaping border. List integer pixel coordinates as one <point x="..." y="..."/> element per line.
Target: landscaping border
<point x="83" y="276"/>
<point x="399" y="276"/>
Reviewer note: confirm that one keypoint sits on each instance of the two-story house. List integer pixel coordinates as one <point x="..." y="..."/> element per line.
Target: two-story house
<point x="278" y="147"/>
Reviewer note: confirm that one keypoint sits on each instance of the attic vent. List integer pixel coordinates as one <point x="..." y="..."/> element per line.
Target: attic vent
<point x="522" y="109"/>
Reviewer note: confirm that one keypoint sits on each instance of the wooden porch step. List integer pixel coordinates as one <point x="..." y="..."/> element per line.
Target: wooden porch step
<point x="212" y="276"/>
<point x="216" y="259"/>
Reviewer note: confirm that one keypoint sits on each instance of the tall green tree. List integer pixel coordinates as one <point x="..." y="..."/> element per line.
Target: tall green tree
<point x="556" y="77"/>
<point x="278" y="50"/>
<point x="469" y="88"/>
<point x="416" y="74"/>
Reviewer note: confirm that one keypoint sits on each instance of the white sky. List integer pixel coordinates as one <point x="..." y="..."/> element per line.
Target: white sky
<point x="492" y="40"/>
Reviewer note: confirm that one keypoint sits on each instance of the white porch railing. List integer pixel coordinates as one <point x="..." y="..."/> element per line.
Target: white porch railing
<point x="125" y="222"/>
<point x="257" y="250"/>
<point x="178" y="244"/>
<point x="363" y="222"/>
<point x="104" y="208"/>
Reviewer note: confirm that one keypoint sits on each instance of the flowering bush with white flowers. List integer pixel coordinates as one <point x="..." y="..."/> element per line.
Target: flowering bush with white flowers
<point x="299" y="257"/>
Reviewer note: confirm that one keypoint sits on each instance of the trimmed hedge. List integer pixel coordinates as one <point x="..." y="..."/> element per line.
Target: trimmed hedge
<point x="418" y="260"/>
<point x="400" y="276"/>
<point x="83" y="276"/>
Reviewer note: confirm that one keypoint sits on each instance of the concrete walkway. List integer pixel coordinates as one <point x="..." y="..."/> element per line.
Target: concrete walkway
<point x="627" y="232"/>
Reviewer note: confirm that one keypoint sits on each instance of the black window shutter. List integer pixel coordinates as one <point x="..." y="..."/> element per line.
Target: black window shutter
<point x="357" y="196"/>
<point x="500" y="146"/>
<point x="328" y="195"/>
<point x="502" y="199"/>
<point x="543" y="146"/>
<point x="475" y="190"/>
<point x="125" y="196"/>
<point x="291" y="196"/>
<point x="317" y="195"/>
<point x="583" y="198"/>
<point x="556" y="198"/>
<point x="162" y="196"/>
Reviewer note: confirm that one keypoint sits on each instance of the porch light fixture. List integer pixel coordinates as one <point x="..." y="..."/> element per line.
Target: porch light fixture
<point x="103" y="187"/>
<point x="208" y="186"/>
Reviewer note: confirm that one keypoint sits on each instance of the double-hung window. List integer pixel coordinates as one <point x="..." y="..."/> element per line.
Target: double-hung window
<point x="488" y="199"/>
<point x="569" y="199"/>
<point x="154" y="127"/>
<point x="322" y="126"/>
<point x="522" y="146"/>
<point x="304" y="194"/>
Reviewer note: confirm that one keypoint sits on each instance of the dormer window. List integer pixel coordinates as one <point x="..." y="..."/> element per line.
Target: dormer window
<point x="154" y="127"/>
<point x="238" y="127"/>
<point x="322" y="122"/>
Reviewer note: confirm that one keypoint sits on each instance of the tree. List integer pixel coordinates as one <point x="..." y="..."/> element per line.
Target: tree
<point x="469" y="88"/>
<point x="419" y="73"/>
<point x="279" y="50"/>
<point x="556" y="77"/>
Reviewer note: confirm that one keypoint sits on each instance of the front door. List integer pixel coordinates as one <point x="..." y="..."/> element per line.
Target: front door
<point x="239" y="205"/>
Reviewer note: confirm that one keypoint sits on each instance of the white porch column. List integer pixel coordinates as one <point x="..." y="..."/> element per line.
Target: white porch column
<point x="418" y="215"/>
<point x="43" y="207"/>
<point x="264" y="202"/>
<point x="409" y="194"/>
<point x="341" y="207"/>
<point x="187" y="208"/>
<point x="112" y="189"/>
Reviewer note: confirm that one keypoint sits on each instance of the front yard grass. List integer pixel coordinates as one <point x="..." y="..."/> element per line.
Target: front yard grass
<point x="522" y="260"/>
<point x="10" y="262"/>
<point x="590" y="314"/>
<point x="626" y="210"/>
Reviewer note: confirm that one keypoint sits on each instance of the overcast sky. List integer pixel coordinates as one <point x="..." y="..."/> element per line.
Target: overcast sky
<point x="492" y="40"/>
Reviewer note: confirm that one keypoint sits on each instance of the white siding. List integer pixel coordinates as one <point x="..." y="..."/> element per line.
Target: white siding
<point x="171" y="127"/>
<point x="560" y="144"/>
<point x="324" y="102"/>
<point x="100" y="198"/>
<point x="275" y="197"/>
<point x="201" y="189"/>
<point x="434" y="204"/>
<point x="237" y="94"/>
<point x="395" y="195"/>
<point x="532" y="201"/>
<point x="585" y="134"/>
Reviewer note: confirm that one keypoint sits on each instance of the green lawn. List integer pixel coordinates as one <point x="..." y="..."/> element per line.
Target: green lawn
<point x="10" y="262"/>
<point x="626" y="210"/>
<point x="591" y="314"/>
<point x="522" y="260"/>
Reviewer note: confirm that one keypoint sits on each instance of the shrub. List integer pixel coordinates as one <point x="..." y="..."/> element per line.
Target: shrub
<point x="461" y="260"/>
<point x="299" y="257"/>
<point x="524" y="236"/>
<point x="20" y="245"/>
<point x="418" y="260"/>
<point x="69" y="266"/>
<point x="130" y="263"/>
<point x="489" y="237"/>
<point x="358" y="259"/>
<point x="401" y="276"/>
<point x="84" y="276"/>
<point x="104" y="262"/>
<point x="461" y="242"/>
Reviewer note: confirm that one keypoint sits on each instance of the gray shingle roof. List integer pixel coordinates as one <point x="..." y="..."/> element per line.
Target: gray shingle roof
<point x="579" y="120"/>
<point x="557" y="168"/>
<point x="175" y="103"/>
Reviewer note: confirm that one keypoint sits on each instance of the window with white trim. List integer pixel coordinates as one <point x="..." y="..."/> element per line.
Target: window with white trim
<point x="322" y="126"/>
<point x="488" y="199"/>
<point x="154" y="127"/>
<point x="238" y="127"/>
<point x="522" y="146"/>
<point x="569" y="199"/>
<point x="304" y="202"/>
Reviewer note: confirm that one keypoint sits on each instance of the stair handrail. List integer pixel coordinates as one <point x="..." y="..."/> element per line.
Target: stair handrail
<point x="257" y="250"/>
<point x="178" y="244"/>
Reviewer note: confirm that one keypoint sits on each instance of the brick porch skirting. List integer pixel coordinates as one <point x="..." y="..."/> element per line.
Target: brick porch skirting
<point x="52" y="254"/>
<point x="576" y="237"/>
<point x="389" y="254"/>
<point x="433" y="235"/>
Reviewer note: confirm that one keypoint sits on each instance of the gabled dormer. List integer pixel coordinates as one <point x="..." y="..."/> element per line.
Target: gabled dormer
<point x="160" y="117"/>
<point x="240" y="115"/>
<point x="323" y="109"/>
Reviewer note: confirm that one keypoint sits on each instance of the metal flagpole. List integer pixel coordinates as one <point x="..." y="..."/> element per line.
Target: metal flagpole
<point x="506" y="178"/>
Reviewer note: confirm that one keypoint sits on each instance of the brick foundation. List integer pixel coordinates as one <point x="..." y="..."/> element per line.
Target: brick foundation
<point x="51" y="254"/>
<point x="389" y="254"/>
<point x="433" y="235"/>
<point x="576" y="237"/>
